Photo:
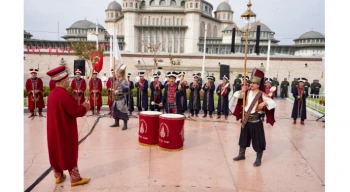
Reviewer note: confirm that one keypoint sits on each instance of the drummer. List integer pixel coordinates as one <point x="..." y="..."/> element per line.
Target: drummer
<point x="223" y="91"/>
<point x="156" y="92"/>
<point x="170" y="92"/>
<point x="268" y="82"/>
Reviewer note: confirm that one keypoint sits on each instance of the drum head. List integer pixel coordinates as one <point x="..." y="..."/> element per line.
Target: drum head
<point x="150" y="113"/>
<point x="172" y="116"/>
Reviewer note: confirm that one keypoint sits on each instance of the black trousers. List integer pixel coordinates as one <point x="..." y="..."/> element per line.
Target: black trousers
<point x="253" y="132"/>
<point x="219" y="113"/>
<point x="140" y="109"/>
<point x="194" y="110"/>
<point x="206" y="112"/>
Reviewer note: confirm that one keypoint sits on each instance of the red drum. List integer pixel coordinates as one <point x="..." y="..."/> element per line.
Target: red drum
<point x="148" y="127"/>
<point x="171" y="132"/>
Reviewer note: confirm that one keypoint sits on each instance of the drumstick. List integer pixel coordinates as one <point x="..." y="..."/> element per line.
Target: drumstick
<point x="153" y="103"/>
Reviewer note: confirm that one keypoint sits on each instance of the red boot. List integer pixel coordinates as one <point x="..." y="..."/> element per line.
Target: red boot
<point x="225" y="117"/>
<point x="302" y="123"/>
<point x="294" y="122"/>
<point x="196" y="115"/>
<point x="204" y="116"/>
<point x="218" y="117"/>
<point x="211" y="116"/>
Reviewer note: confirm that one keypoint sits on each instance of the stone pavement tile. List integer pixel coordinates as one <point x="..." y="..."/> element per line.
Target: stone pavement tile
<point x="319" y="168"/>
<point x="190" y="168"/>
<point x="280" y="174"/>
<point x="181" y="188"/>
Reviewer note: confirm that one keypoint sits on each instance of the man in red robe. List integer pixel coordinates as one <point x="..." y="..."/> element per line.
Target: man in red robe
<point x="35" y="89"/>
<point x="95" y="89"/>
<point x="78" y="86"/>
<point x="62" y="130"/>
<point x="109" y="84"/>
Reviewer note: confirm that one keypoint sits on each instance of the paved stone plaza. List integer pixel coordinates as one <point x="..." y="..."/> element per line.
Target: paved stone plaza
<point x="293" y="161"/>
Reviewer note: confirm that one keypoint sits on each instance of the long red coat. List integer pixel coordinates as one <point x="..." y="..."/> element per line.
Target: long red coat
<point x="62" y="130"/>
<point x="39" y="95"/>
<point x="98" y="87"/>
<point x="52" y="84"/>
<point x="109" y="86"/>
<point x="78" y="92"/>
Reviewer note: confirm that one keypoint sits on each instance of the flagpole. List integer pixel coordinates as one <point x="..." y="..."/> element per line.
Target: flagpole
<point x="96" y="34"/>
<point x="110" y="53"/>
<point x="204" y="50"/>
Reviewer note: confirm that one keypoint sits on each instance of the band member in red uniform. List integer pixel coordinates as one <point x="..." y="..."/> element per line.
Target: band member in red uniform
<point x="52" y="85"/>
<point x="299" y="108"/>
<point x="268" y="83"/>
<point x="142" y="92"/>
<point x="181" y="101"/>
<point x="170" y="94"/>
<point x="35" y="89"/>
<point x="109" y="85"/>
<point x="252" y="129"/>
<point x="208" y="100"/>
<point x="223" y="90"/>
<point x="195" y="100"/>
<point x="130" y="97"/>
<point x="62" y="130"/>
<point x="156" y="92"/>
<point x="78" y="86"/>
<point x="95" y="89"/>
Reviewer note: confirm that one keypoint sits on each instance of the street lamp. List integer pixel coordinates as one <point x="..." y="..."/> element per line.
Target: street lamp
<point x="268" y="53"/>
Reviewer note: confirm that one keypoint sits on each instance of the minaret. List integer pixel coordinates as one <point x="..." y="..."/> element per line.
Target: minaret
<point x="193" y="14"/>
<point x="130" y="11"/>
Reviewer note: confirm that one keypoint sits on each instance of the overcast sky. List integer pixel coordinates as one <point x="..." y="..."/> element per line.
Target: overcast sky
<point x="288" y="19"/>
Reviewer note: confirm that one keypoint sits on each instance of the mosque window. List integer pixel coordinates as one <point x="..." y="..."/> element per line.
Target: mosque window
<point x="152" y="3"/>
<point x="196" y="5"/>
<point x="153" y="21"/>
<point x="177" y="22"/>
<point x="131" y="4"/>
<point x="149" y="20"/>
<point x="205" y="8"/>
<point x="223" y="17"/>
<point x="141" y="21"/>
<point x="136" y="6"/>
<point x="170" y="22"/>
<point x="112" y="15"/>
<point x="161" y="19"/>
<point x="191" y="5"/>
<point x="143" y="3"/>
<point x="182" y="21"/>
<point x="172" y="3"/>
<point x="157" y="21"/>
<point x="219" y="16"/>
<point x="126" y="4"/>
<point x="145" y="21"/>
<point x="162" y="2"/>
<point x="182" y="3"/>
<point x="165" y="21"/>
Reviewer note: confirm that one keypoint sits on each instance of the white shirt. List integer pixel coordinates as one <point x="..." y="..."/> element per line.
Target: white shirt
<point x="104" y="79"/>
<point x="271" y="104"/>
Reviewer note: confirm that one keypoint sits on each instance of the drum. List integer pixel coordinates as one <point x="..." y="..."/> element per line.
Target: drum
<point x="171" y="132"/>
<point x="148" y="127"/>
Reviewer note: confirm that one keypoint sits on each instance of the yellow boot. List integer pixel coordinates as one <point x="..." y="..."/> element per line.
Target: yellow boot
<point x="60" y="180"/>
<point x="81" y="182"/>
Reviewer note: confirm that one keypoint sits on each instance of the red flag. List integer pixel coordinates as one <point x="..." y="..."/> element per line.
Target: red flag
<point x="92" y="56"/>
<point x="108" y="45"/>
<point x="57" y="52"/>
<point x="39" y="50"/>
<point x="33" y="49"/>
<point x="99" y="64"/>
<point x="68" y="49"/>
<point x="28" y="47"/>
<point x="50" y="50"/>
<point x="102" y="46"/>
<point x="62" y="48"/>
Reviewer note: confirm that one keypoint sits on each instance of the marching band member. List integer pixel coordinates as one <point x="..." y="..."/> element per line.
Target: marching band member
<point x="252" y="127"/>
<point x="52" y="84"/>
<point x="95" y="89"/>
<point x="78" y="86"/>
<point x="208" y="100"/>
<point x="62" y="130"/>
<point x="181" y="99"/>
<point x="195" y="100"/>
<point x="35" y="89"/>
<point x="156" y="92"/>
<point x="223" y="91"/>
<point x="109" y="85"/>
<point x="120" y="91"/>
<point x="170" y="95"/>
<point x="299" y="108"/>
<point x="142" y="92"/>
<point x="268" y="82"/>
<point x="130" y="97"/>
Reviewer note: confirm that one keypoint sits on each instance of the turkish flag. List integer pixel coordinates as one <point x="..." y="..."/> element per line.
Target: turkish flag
<point x="33" y="49"/>
<point x="28" y="51"/>
<point x="50" y="50"/>
<point x="39" y="50"/>
<point x="57" y="52"/>
<point x="99" y="64"/>
<point x="68" y="49"/>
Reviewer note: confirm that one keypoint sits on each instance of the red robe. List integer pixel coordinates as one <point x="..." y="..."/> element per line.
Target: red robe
<point x="109" y="86"/>
<point x="270" y="114"/>
<point x="52" y="85"/>
<point x="62" y="130"/>
<point x="267" y="91"/>
<point x="78" y="92"/>
<point x="98" y="87"/>
<point x="39" y="95"/>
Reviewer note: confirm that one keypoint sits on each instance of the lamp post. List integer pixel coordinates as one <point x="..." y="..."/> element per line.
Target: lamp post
<point x="268" y="54"/>
<point x="205" y="47"/>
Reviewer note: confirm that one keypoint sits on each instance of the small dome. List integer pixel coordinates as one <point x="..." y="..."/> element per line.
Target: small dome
<point x="114" y="5"/>
<point x="93" y="26"/>
<point x="224" y="7"/>
<point x="82" y="24"/>
<point x="312" y="35"/>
